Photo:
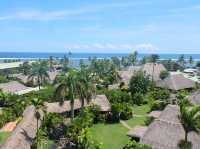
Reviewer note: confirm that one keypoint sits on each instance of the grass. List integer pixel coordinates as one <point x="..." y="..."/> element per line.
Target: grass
<point x="141" y="110"/>
<point x="46" y="144"/>
<point x="112" y="136"/>
<point x="136" y="121"/>
<point x="4" y="136"/>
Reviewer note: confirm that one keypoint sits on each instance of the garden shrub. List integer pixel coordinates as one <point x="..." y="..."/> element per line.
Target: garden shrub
<point x="135" y="145"/>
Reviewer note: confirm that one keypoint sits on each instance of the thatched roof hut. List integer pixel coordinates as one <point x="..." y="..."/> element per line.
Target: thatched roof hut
<point x="25" y="132"/>
<point x="125" y="76"/>
<point x="56" y="107"/>
<point x="15" y="87"/>
<point x="176" y="82"/>
<point x="194" y="98"/>
<point x="166" y="132"/>
<point x="155" y="114"/>
<point x="153" y="70"/>
<point x="102" y="102"/>
<point x="137" y="132"/>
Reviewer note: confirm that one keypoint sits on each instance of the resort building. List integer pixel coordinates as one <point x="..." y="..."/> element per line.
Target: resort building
<point x="176" y="82"/>
<point x="153" y="70"/>
<point x="165" y="132"/>
<point x="57" y="107"/>
<point x="15" y="87"/>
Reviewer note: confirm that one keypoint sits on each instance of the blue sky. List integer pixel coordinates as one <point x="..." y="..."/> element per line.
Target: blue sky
<point x="119" y="26"/>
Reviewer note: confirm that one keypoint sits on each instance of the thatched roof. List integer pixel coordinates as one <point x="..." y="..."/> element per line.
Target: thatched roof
<point x="166" y="132"/>
<point x="154" y="70"/>
<point x="102" y="102"/>
<point x="127" y="73"/>
<point x="137" y="132"/>
<point x="56" y="107"/>
<point x="194" y="98"/>
<point x="154" y="114"/>
<point x="176" y="82"/>
<point x="15" y="87"/>
<point x="22" y="136"/>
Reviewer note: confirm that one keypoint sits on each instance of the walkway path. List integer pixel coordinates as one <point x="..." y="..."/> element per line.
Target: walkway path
<point x="125" y="124"/>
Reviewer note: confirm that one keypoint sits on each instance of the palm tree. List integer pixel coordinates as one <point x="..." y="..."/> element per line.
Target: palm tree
<point x="39" y="72"/>
<point x="85" y="87"/>
<point x="39" y="108"/>
<point x="154" y="58"/>
<point x="191" y="61"/>
<point x="68" y="87"/>
<point x="189" y="117"/>
<point x="51" y="62"/>
<point x="25" y="67"/>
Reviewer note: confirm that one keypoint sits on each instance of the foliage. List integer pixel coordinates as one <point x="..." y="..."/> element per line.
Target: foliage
<point x="135" y="145"/>
<point x="96" y="111"/>
<point x="54" y="126"/>
<point x="120" y="111"/>
<point x="171" y="65"/>
<point x="6" y="116"/>
<point x="138" y="98"/>
<point x="3" y="79"/>
<point x="149" y="120"/>
<point x="189" y="117"/>
<point x="139" y="83"/>
<point x="164" y="74"/>
<point x="160" y="94"/>
<point x="85" y="141"/>
<point x="39" y="73"/>
<point x="117" y="96"/>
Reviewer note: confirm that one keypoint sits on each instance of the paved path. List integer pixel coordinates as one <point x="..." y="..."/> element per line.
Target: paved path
<point x="125" y="124"/>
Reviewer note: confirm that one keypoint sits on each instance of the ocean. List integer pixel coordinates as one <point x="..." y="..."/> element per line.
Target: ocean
<point x="35" y="56"/>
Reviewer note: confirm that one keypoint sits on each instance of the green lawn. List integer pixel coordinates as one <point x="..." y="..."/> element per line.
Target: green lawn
<point x="4" y="136"/>
<point x="141" y="110"/>
<point x="113" y="136"/>
<point x="136" y="121"/>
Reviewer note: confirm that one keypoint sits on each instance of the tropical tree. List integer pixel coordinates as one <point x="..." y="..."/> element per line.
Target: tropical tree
<point x="68" y="88"/>
<point x="189" y="117"/>
<point x="25" y="67"/>
<point x="164" y="74"/>
<point x="153" y="58"/>
<point x="191" y="61"/>
<point x="51" y="62"/>
<point x="139" y="83"/>
<point x="133" y="58"/>
<point x="181" y="60"/>
<point x="39" y="109"/>
<point x="39" y="73"/>
<point x="85" y="88"/>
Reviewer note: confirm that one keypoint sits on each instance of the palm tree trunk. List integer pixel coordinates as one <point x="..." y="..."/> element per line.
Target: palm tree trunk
<point x="186" y="137"/>
<point x="37" y="134"/>
<point x="72" y="111"/>
<point x="153" y="72"/>
<point x="82" y="106"/>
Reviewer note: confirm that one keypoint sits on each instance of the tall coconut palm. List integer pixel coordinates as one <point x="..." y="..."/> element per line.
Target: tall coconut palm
<point x="51" y="62"/>
<point x="39" y="108"/>
<point x="85" y="87"/>
<point x="154" y="58"/>
<point x="39" y="73"/>
<point x="189" y="117"/>
<point x="67" y="88"/>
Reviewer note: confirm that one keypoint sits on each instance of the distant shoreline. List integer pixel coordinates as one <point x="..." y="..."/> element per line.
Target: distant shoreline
<point x="78" y="56"/>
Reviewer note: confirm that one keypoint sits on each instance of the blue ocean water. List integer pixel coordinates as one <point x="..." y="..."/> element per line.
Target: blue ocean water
<point x="29" y="55"/>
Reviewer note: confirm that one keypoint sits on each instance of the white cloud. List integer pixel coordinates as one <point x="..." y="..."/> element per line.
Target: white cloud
<point x="110" y="47"/>
<point x="64" y="14"/>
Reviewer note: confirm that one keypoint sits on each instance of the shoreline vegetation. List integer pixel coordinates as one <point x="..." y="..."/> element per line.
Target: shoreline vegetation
<point x="108" y="103"/>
